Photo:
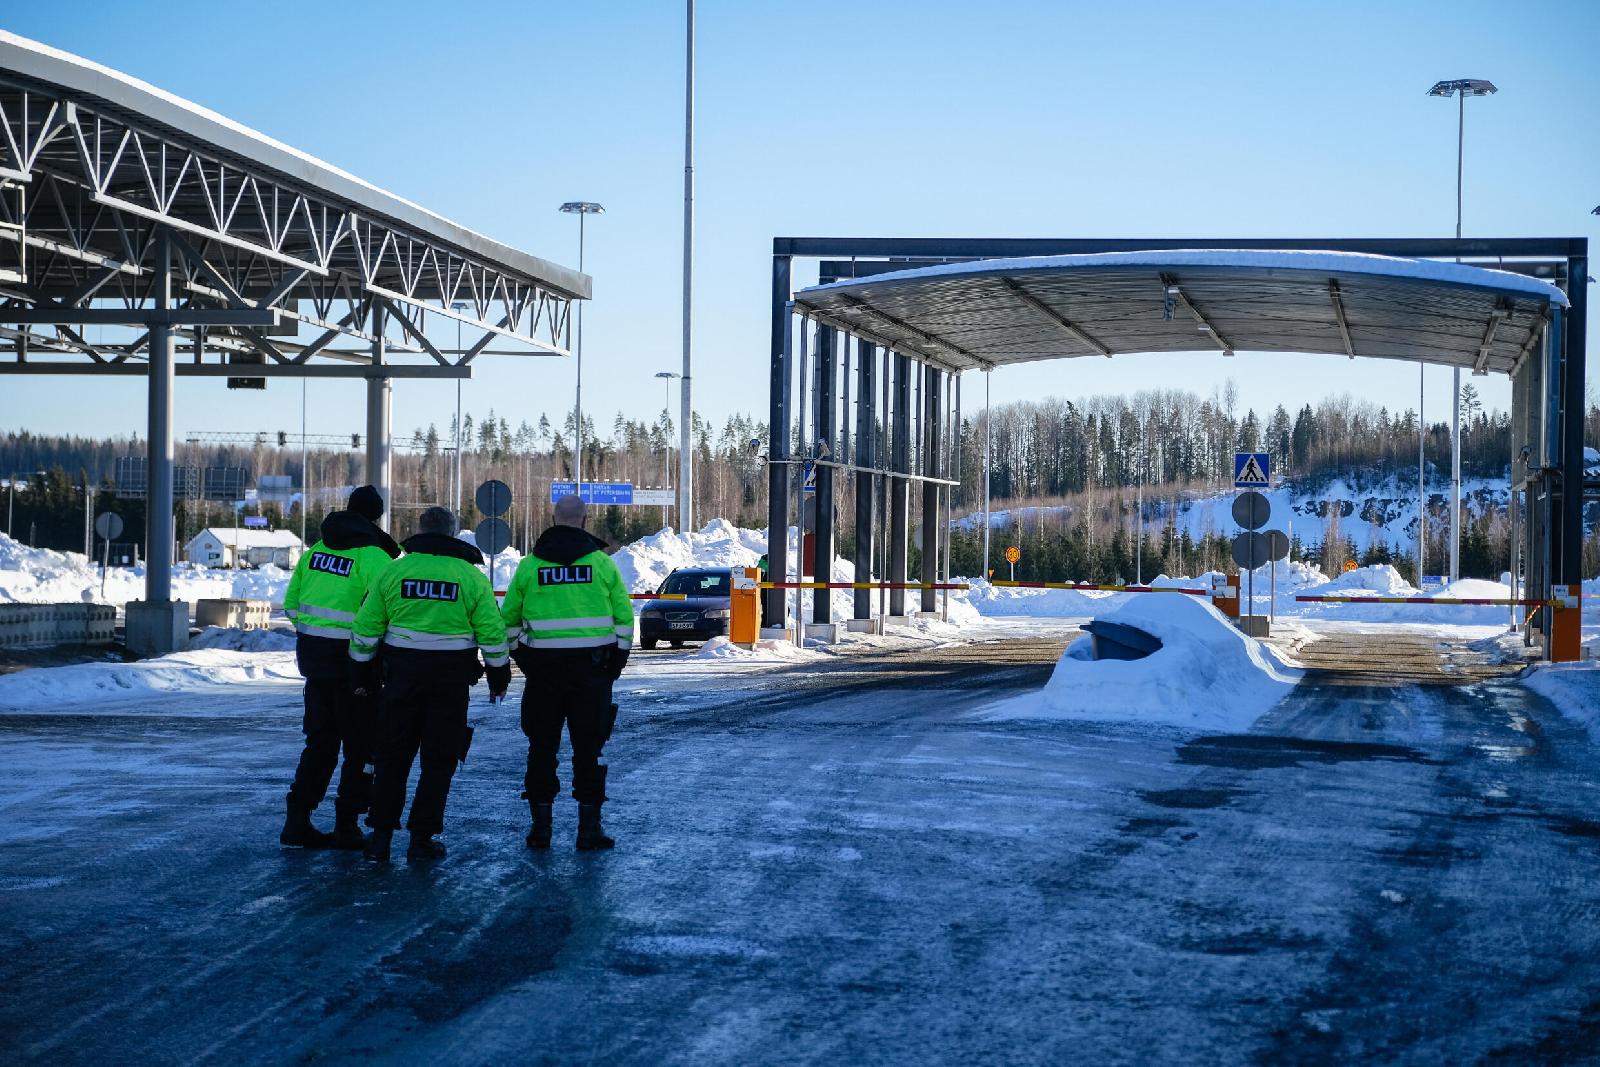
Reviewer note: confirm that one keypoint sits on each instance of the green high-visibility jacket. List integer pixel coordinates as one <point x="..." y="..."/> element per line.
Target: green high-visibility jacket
<point x="328" y="587"/>
<point x="430" y="603"/>
<point x="578" y="604"/>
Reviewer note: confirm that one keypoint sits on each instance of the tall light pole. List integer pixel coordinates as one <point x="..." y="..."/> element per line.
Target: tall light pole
<point x="685" y="400"/>
<point x="1460" y="88"/>
<point x="455" y="461"/>
<point x="580" y="208"/>
<point x="988" y="438"/>
<point x="666" y="442"/>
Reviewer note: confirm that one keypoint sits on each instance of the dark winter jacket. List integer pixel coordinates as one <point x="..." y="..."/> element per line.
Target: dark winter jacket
<point x="441" y="545"/>
<point x="566" y="544"/>
<point x="343" y="530"/>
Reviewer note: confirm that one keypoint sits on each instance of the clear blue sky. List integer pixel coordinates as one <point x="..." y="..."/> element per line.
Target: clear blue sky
<point x="873" y="119"/>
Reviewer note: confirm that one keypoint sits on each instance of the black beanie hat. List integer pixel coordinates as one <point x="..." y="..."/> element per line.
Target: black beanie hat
<point x="367" y="502"/>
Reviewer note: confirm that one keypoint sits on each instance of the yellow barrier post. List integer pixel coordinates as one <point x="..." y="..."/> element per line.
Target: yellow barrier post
<point x="1566" y="624"/>
<point x="1225" y="595"/>
<point x="744" y="609"/>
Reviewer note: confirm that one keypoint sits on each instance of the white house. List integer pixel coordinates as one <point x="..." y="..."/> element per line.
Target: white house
<point x="229" y="547"/>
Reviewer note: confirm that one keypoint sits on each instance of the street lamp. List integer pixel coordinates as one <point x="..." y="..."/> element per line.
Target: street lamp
<point x="580" y="208"/>
<point x="1460" y="88"/>
<point x="666" y="462"/>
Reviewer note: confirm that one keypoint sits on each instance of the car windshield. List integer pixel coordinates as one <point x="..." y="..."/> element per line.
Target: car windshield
<point x="714" y="584"/>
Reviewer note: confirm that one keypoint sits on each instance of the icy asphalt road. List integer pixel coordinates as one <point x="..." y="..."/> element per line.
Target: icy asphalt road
<point x="832" y="864"/>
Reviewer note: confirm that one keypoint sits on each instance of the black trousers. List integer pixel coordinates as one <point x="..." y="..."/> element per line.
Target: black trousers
<point x="335" y="718"/>
<point x="564" y="687"/>
<point x="423" y="714"/>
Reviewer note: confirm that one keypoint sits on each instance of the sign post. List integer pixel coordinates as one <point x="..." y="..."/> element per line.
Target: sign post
<point x="108" y="524"/>
<point x="1013" y="557"/>
<point x="493" y="533"/>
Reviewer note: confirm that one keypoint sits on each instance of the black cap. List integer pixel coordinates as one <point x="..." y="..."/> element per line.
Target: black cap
<point x="367" y="502"/>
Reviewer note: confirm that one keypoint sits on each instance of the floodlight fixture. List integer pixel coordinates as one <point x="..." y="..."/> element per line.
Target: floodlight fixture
<point x="582" y="207"/>
<point x="1464" y="86"/>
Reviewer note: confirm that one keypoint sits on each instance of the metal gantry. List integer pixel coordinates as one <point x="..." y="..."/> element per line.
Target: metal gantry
<point x="938" y="307"/>
<point x="167" y="227"/>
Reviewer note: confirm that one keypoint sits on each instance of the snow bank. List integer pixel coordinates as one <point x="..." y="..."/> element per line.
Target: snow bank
<point x="243" y="640"/>
<point x="41" y="576"/>
<point x="1574" y="688"/>
<point x="769" y="651"/>
<point x="1206" y="676"/>
<point x="86" y="687"/>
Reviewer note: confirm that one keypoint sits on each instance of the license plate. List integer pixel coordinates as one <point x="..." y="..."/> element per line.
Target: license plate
<point x="680" y="625"/>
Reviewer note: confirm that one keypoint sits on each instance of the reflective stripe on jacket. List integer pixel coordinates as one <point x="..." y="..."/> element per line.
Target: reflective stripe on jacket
<point x="582" y="604"/>
<point x="430" y="603"/>
<point x="328" y="587"/>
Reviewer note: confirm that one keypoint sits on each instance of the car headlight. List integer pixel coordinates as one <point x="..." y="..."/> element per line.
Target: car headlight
<point x="717" y="613"/>
<point x="650" y="614"/>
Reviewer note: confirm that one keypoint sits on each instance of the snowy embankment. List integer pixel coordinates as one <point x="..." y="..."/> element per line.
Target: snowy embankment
<point x="41" y="576"/>
<point x="1384" y="513"/>
<point x="215" y="658"/>
<point x="1205" y="676"/>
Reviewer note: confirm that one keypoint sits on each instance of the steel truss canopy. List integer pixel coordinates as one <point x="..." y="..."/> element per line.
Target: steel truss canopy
<point x="995" y="312"/>
<point x="276" y="257"/>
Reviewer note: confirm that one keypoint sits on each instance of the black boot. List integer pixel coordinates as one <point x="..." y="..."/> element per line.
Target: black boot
<point x="543" y="824"/>
<point x="424" y="847"/>
<point x="347" y="832"/>
<point x="591" y="835"/>
<point x="298" y="832"/>
<point x="377" y="848"/>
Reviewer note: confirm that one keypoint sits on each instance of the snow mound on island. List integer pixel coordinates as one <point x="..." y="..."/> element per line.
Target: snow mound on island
<point x="86" y="687"/>
<point x="1206" y="675"/>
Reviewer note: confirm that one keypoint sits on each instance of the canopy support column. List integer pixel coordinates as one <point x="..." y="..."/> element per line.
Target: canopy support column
<point x="778" y="439"/>
<point x="827" y="409"/>
<point x="158" y="501"/>
<point x="158" y="625"/>
<point x="899" y="488"/>
<point x="932" y="420"/>
<point x="866" y="458"/>
<point x="1567" y="555"/>
<point x="379" y="397"/>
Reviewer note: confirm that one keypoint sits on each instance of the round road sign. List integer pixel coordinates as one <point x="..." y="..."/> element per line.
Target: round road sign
<point x="1277" y="545"/>
<point x="1013" y="554"/>
<point x="108" y="524"/>
<point x="493" y="497"/>
<point x="493" y="535"/>
<point x="1251" y="510"/>
<point x="1250" y="550"/>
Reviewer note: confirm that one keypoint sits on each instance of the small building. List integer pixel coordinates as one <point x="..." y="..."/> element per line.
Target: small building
<point x="229" y="547"/>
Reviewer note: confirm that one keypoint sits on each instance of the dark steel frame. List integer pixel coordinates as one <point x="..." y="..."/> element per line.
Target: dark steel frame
<point x="1562" y="480"/>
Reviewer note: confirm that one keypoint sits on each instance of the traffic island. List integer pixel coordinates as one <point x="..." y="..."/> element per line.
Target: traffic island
<point x="157" y="628"/>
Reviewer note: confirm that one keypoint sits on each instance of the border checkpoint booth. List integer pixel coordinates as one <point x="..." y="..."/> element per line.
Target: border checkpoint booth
<point x="913" y="315"/>
<point x="170" y="227"/>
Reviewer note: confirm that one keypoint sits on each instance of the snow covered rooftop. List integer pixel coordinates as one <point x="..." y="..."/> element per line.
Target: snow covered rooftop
<point x="992" y="312"/>
<point x="247" y="538"/>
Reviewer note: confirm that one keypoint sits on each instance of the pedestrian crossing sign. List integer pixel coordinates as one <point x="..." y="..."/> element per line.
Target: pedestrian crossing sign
<point x="1250" y="470"/>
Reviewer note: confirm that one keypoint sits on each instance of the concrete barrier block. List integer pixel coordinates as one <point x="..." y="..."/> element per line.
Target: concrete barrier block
<point x="233" y="613"/>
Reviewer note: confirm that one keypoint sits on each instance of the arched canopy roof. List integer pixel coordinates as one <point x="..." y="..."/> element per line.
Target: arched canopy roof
<point x="988" y="313"/>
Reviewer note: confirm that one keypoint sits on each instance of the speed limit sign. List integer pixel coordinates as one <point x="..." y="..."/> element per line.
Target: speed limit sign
<point x="1013" y="554"/>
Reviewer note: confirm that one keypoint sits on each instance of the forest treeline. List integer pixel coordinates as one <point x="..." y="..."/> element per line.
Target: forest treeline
<point x="1091" y="458"/>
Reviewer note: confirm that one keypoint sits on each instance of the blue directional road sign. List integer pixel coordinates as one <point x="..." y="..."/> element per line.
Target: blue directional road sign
<point x="1251" y="470"/>
<point x="601" y="493"/>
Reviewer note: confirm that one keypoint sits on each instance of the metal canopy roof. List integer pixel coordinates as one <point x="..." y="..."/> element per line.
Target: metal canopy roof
<point x="93" y="164"/>
<point x="989" y="313"/>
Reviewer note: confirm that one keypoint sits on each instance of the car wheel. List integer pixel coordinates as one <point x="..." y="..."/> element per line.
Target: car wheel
<point x="676" y="643"/>
<point x="647" y="643"/>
